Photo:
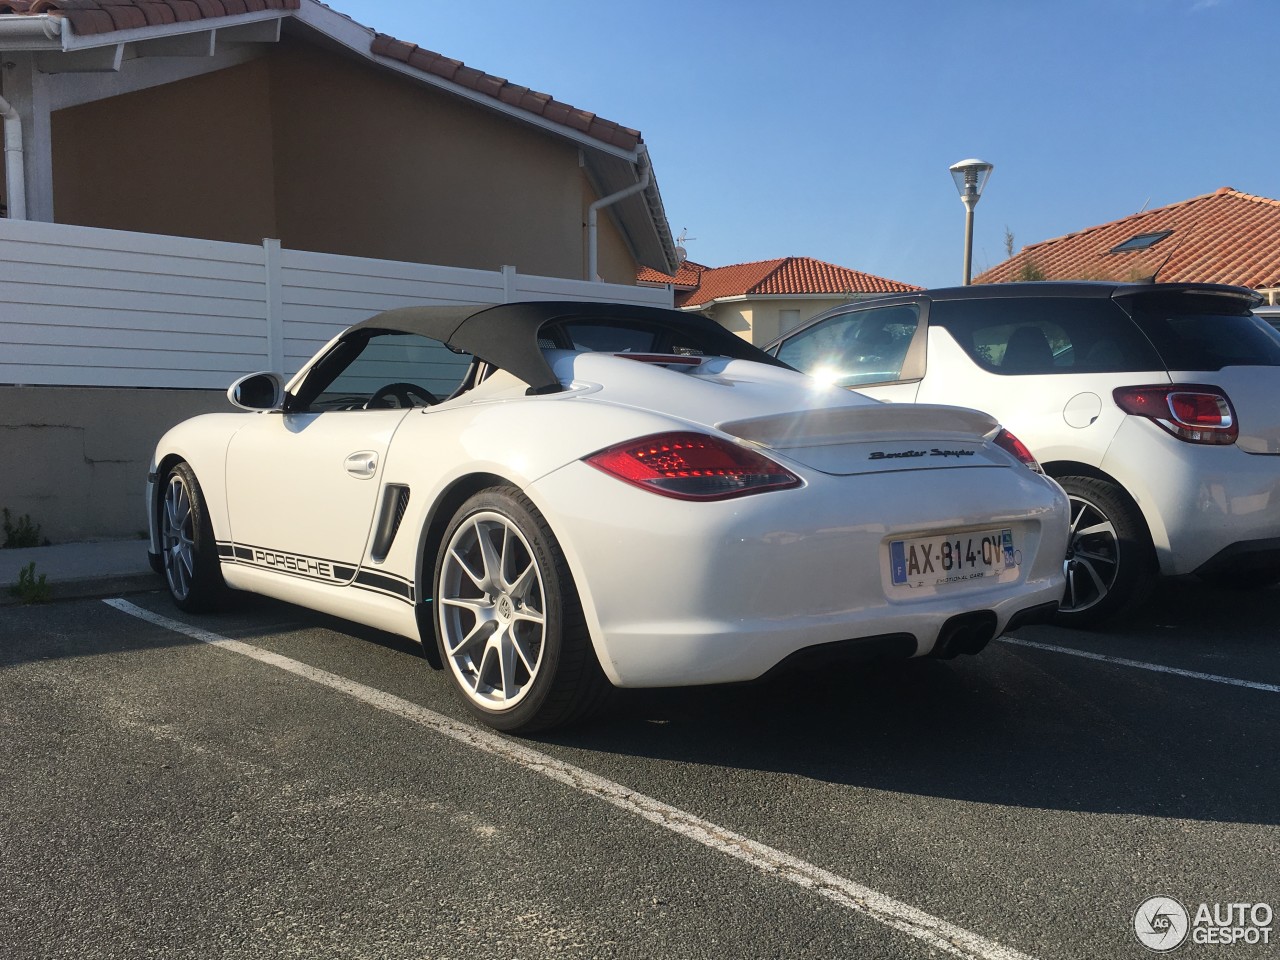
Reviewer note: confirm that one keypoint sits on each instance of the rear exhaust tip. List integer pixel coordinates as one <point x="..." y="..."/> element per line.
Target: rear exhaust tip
<point x="966" y="633"/>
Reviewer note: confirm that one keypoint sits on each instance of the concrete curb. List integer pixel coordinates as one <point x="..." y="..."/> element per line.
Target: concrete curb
<point x="90" y="588"/>
<point x="75" y="571"/>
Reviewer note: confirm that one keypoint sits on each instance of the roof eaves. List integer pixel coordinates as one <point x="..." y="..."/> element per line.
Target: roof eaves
<point x="68" y="25"/>
<point x="516" y="100"/>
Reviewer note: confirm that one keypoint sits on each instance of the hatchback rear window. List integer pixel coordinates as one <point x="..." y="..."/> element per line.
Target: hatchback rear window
<point x="1046" y="335"/>
<point x="1204" y="332"/>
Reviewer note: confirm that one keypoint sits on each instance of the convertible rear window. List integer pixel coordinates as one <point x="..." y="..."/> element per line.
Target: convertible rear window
<point x="1046" y="335"/>
<point x="625" y="336"/>
<point x="1204" y="332"/>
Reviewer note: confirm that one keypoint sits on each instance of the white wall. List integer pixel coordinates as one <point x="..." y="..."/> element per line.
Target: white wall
<point x="81" y="306"/>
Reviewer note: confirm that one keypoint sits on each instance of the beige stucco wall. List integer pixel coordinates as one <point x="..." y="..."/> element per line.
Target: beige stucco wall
<point x="759" y="321"/>
<point x="188" y="159"/>
<point x="76" y="458"/>
<point x="329" y="154"/>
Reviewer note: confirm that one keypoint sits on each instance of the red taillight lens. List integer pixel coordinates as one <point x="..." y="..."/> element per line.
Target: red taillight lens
<point x="1192" y="412"/>
<point x="692" y="466"/>
<point x="1008" y="442"/>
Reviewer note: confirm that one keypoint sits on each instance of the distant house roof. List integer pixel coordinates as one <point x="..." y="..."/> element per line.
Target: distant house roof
<point x="697" y="286"/>
<point x="616" y="154"/>
<point x="1221" y="237"/>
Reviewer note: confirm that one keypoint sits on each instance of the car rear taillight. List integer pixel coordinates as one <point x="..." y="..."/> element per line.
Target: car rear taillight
<point x="1193" y="412"/>
<point x="1010" y="444"/>
<point x="692" y="466"/>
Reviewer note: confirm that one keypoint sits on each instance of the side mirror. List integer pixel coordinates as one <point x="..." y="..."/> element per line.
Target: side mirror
<point x="257" y="391"/>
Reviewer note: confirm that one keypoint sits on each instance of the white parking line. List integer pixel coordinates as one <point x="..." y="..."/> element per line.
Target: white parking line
<point x="1143" y="665"/>
<point x="936" y="932"/>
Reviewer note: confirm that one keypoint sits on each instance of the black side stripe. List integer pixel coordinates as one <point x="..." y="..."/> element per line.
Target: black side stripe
<point x="389" y="584"/>
<point x="317" y="569"/>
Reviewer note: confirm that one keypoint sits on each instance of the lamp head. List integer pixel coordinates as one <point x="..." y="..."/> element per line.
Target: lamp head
<point x="970" y="177"/>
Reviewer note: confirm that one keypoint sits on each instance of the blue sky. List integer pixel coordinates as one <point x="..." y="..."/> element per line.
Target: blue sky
<point x="825" y="129"/>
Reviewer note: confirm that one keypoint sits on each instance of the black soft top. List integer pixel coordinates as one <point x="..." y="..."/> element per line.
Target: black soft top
<point x="512" y="336"/>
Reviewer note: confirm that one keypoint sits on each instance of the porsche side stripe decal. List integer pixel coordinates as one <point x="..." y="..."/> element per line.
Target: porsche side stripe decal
<point x="318" y="569"/>
<point x="386" y="583"/>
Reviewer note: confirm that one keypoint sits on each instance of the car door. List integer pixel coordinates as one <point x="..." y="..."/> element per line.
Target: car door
<point x="303" y="484"/>
<point x="875" y="350"/>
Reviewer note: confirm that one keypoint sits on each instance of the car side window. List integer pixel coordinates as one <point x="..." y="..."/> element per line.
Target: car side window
<point x="1046" y="335"/>
<point x="383" y="370"/>
<point x="855" y="348"/>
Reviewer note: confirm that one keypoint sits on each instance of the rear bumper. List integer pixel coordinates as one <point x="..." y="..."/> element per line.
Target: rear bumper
<point x="1247" y="555"/>
<point x="1198" y="501"/>
<point x="679" y="593"/>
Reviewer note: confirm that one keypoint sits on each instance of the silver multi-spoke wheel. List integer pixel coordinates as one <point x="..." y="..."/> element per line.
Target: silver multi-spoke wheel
<point x="177" y="536"/>
<point x="1093" y="556"/>
<point x="509" y="622"/>
<point x="188" y="551"/>
<point x="493" y="615"/>
<point x="1110" y="564"/>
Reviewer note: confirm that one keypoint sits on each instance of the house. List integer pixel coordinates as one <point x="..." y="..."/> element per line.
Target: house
<point x="197" y="189"/>
<point x="1221" y="237"/>
<point x="236" y="120"/>
<point x="762" y="300"/>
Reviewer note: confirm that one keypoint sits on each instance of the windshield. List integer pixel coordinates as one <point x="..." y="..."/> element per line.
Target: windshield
<point x="1204" y="332"/>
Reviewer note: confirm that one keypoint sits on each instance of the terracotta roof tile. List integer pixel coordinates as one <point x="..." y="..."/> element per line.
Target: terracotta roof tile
<point x="157" y="13"/>
<point x="1222" y="237"/>
<point x="784" y="276"/>
<point x="687" y="276"/>
<point x="105" y="16"/>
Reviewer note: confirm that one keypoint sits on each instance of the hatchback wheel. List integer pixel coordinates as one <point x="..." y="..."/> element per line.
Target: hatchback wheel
<point x="1110" y="564"/>
<point x="508" y="619"/>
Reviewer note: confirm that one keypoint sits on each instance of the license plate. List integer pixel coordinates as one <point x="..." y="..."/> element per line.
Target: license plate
<point x="951" y="558"/>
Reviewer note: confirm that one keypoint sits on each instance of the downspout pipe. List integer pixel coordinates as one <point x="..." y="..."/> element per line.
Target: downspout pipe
<point x="646" y="174"/>
<point x="15" y="177"/>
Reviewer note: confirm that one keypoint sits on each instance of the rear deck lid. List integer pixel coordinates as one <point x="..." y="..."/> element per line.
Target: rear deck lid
<point x="876" y="438"/>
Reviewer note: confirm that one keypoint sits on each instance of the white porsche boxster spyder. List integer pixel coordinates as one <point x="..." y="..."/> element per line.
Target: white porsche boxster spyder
<point x="559" y="497"/>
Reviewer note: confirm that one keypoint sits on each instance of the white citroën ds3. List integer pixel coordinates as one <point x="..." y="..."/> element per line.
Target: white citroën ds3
<point x="557" y="498"/>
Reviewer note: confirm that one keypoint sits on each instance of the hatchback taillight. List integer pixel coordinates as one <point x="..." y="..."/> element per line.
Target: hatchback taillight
<point x="1194" y="412"/>
<point x="1009" y="443"/>
<point x="692" y="466"/>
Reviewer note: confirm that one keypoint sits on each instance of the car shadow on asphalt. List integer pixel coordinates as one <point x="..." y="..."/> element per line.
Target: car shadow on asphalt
<point x="1012" y="726"/>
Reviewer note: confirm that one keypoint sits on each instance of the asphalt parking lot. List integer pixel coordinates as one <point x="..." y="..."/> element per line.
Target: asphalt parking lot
<point x="278" y="783"/>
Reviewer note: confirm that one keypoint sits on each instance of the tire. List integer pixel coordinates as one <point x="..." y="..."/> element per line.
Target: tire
<point x="509" y="623"/>
<point x="189" y="553"/>
<point x="1110" y="563"/>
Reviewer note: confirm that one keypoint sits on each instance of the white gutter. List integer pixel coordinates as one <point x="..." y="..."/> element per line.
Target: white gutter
<point x="27" y="32"/>
<point x="15" y="176"/>
<point x="592" y="238"/>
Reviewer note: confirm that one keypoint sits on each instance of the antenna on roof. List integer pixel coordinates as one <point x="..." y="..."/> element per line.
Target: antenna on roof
<point x="681" y="253"/>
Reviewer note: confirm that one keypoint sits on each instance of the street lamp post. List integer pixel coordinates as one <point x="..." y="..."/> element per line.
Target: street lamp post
<point x="970" y="177"/>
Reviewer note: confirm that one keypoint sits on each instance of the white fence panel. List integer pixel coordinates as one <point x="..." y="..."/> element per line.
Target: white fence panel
<point x="86" y="307"/>
<point x="322" y="294"/>
<point x="82" y="306"/>
<point x="556" y="288"/>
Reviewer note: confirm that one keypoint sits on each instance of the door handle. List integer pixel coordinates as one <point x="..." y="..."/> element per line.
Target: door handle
<point x="363" y="464"/>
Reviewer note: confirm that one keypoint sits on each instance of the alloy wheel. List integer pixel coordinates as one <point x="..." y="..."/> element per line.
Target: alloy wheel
<point x="177" y="536"/>
<point x="1093" y="556"/>
<point x="492" y="610"/>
